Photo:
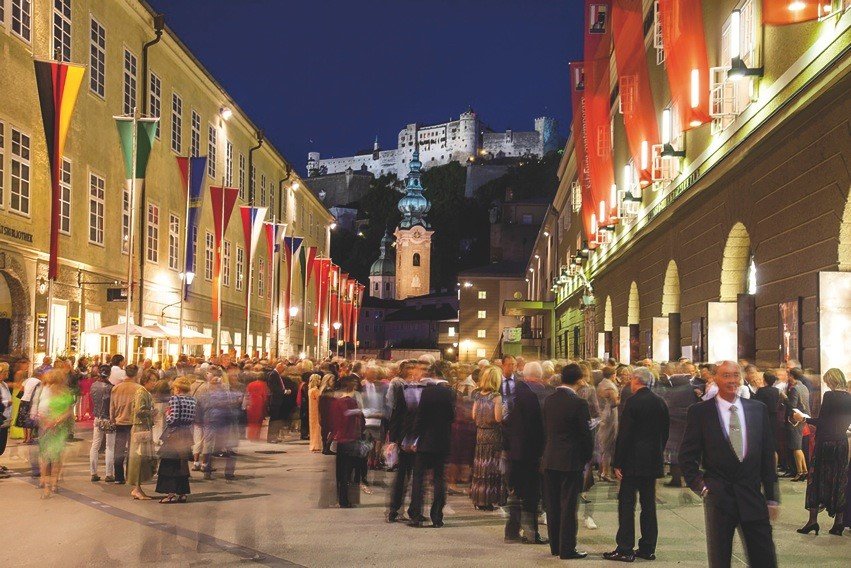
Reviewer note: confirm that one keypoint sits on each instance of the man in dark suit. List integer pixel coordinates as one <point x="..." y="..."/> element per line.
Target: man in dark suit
<point x="523" y="435"/>
<point x="638" y="462"/>
<point x="432" y="432"/>
<point x="732" y="439"/>
<point x="277" y="403"/>
<point x="568" y="448"/>
<point x="406" y="398"/>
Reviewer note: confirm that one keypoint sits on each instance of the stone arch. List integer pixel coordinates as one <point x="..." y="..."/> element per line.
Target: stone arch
<point x="633" y="311"/>
<point x="20" y="311"/>
<point x="671" y="290"/>
<point x="608" y="323"/>
<point x="845" y="237"/>
<point x="735" y="264"/>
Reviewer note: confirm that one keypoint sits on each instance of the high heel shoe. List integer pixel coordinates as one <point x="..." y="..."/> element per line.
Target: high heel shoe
<point x="809" y="528"/>
<point x="800" y="477"/>
<point x="837" y="530"/>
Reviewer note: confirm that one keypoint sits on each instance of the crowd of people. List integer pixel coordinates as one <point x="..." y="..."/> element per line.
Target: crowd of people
<point x="527" y="439"/>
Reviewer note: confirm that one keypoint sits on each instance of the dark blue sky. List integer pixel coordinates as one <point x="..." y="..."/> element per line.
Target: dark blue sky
<point x="328" y="75"/>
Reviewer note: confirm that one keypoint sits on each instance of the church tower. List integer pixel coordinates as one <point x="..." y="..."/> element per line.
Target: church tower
<point x="413" y="237"/>
<point x="382" y="273"/>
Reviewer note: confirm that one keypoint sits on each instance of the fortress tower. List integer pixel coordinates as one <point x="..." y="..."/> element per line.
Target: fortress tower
<point x="413" y="237"/>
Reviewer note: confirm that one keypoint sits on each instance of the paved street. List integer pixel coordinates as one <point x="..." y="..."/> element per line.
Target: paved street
<point x="272" y="515"/>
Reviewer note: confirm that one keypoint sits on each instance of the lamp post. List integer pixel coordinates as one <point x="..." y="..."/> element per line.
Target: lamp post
<point x="466" y="345"/>
<point x="186" y="279"/>
<point x="337" y="325"/>
<point x="293" y="314"/>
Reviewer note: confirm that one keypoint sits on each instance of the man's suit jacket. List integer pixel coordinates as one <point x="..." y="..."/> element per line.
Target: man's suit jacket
<point x="404" y="412"/>
<point x="642" y="435"/>
<point x="569" y="444"/>
<point x="433" y="420"/>
<point x="276" y="394"/>
<point x="524" y="427"/>
<point x="734" y="486"/>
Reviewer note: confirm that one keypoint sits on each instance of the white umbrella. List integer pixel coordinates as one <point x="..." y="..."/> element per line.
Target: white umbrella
<point x="135" y="330"/>
<point x="190" y="336"/>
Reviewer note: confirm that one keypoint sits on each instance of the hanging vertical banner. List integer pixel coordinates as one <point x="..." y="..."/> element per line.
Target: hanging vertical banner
<point x="192" y="172"/>
<point x="356" y="312"/>
<point x="783" y="12"/>
<point x="252" y="226"/>
<point x="639" y="113"/>
<point x="322" y="274"/>
<point x="580" y="146"/>
<point x="291" y="249"/>
<point x="146" y="131"/>
<point x="307" y="258"/>
<point x="333" y="289"/>
<point x="686" y="61"/>
<point x="598" y="96"/>
<point x="58" y="85"/>
<point x="223" y="201"/>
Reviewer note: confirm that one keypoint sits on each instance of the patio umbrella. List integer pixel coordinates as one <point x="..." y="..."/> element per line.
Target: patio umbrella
<point x="135" y="330"/>
<point x="172" y="333"/>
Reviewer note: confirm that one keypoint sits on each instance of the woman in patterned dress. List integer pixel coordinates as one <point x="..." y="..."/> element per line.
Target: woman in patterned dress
<point x="488" y="488"/>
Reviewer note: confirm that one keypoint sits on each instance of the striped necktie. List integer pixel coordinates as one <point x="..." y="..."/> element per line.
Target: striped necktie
<point x="736" y="439"/>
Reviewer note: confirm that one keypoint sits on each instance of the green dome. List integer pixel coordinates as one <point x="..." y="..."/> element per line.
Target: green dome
<point x="385" y="264"/>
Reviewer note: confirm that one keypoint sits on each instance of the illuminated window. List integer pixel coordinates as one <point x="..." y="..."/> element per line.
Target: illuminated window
<point x="482" y="333"/>
<point x="64" y="197"/>
<point x="173" y="241"/>
<point x="481" y="353"/>
<point x="96" y="206"/>
<point x="209" y="246"/>
<point x="483" y="295"/>
<point x="153" y="233"/>
<point x="482" y="314"/>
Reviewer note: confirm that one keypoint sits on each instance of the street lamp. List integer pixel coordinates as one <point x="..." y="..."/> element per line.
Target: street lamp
<point x="466" y="345"/>
<point x="337" y="325"/>
<point x="188" y="277"/>
<point x="293" y="311"/>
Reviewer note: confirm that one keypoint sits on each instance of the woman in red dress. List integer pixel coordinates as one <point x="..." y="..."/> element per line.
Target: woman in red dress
<point x="257" y="404"/>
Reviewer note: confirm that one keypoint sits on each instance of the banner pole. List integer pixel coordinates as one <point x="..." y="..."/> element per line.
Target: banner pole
<point x="184" y="277"/>
<point x="130" y="238"/>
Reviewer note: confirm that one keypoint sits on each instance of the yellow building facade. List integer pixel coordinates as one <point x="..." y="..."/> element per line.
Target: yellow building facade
<point x="196" y="117"/>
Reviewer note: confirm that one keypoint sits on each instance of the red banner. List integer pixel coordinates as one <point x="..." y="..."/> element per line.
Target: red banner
<point x="322" y="272"/>
<point x="686" y="60"/>
<point x="598" y="96"/>
<point x="639" y="113"/>
<point x="782" y="12"/>
<point x="334" y="294"/>
<point x="580" y="145"/>
<point x="223" y="201"/>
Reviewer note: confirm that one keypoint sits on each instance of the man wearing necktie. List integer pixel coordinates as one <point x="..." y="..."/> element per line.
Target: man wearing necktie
<point x="732" y="439"/>
<point x="509" y="364"/>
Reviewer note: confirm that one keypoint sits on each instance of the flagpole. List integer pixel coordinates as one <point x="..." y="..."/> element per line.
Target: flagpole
<point x="304" y="302"/>
<point x="250" y="267"/>
<point x="318" y="315"/>
<point x="184" y="277"/>
<point x="218" y="341"/>
<point x="130" y="236"/>
<point x="273" y="294"/>
<point x="328" y="310"/>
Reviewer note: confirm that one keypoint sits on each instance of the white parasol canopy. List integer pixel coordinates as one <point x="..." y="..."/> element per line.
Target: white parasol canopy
<point x="135" y="330"/>
<point x="190" y="336"/>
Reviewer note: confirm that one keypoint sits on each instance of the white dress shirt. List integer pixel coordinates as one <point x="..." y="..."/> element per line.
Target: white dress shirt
<point x="724" y="413"/>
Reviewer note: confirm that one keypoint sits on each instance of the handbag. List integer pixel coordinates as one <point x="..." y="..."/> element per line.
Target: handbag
<point x="105" y="425"/>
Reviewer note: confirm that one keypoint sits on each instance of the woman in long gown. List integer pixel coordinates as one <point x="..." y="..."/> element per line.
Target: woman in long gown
<point x="327" y="396"/>
<point x="257" y="400"/>
<point x="607" y="431"/>
<point x="488" y="488"/>
<point x="53" y="411"/>
<point x="313" y="413"/>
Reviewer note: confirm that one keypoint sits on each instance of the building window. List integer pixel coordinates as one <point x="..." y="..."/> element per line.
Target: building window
<point x="97" y="59"/>
<point x="481" y="353"/>
<point x="483" y="295"/>
<point x="228" y="163"/>
<point x="125" y="220"/>
<point x="262" y="190"/>
<point x="62" y="30"/>
<point x="212" y="141"/>
<point x="526" y="219"/>
<point x="482" y="314"/>
<point x="155" y="98"/>
<point x="482" y="333"/>
<point x="240" y="266"/>
<point x="209" y="245"/>
<point x="387" y="286"/>
<point x="173" y="241"/>
<point x="251" y="178"/>
<point x="22" y="18"/>
<point x="153" y="233"/>
<point x="96" y="205"/>
<point x="19" y="196"/>
<point x="130" y="69"/>
<point x="176" y="123"/>
<point x="64" y="197"/>
<point x="416" y="260"/>
<point x="374" y="286"/>
<point x="194" y="134"/>
<point x="261" y="278"/>
<point x="451" y="331"/>
<point x="242" y="176"/>
<point x="226" y="263"/>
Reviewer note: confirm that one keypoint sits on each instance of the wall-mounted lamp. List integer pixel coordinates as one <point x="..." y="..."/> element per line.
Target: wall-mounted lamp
<point x="668" y="135"/>
<point x="41" y="285"/>
<point x="738" y="69"/>
<point x="226" y="113"/>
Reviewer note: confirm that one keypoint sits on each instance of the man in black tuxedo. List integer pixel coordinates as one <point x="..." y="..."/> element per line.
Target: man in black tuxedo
<point x="432" y="432"/>
<point x="638" y="462"/>
<point x="523" y="435"/>
<point x="732" y="439"/>
<point x="568" y="448"/>
<point x="278" y="400"/>
<point x="406" y="399"/>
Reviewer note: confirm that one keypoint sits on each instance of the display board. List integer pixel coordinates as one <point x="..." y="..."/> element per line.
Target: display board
<point x="834" y="303"/>
<point x="661" y="340"/>
<point x="623" y="342"/>
<point x="722" y="332"/>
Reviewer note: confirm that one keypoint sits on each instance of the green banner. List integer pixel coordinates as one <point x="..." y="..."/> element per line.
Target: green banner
<point x="146" y="130"/>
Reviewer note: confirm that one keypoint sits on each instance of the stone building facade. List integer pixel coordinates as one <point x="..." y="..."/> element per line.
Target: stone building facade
<point x="744" y="251"/>
<point x="439" y="144"/>
<point x="197" y="117"/>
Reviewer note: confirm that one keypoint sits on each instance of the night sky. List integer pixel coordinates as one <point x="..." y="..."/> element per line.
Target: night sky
<point x="328" y="75"/>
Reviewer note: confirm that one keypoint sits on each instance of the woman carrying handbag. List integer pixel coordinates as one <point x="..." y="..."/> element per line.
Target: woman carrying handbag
<point x="176" y="450"/>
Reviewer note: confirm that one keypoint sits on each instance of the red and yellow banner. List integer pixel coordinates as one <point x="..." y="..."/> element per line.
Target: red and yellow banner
<point x="223" y="201"/>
